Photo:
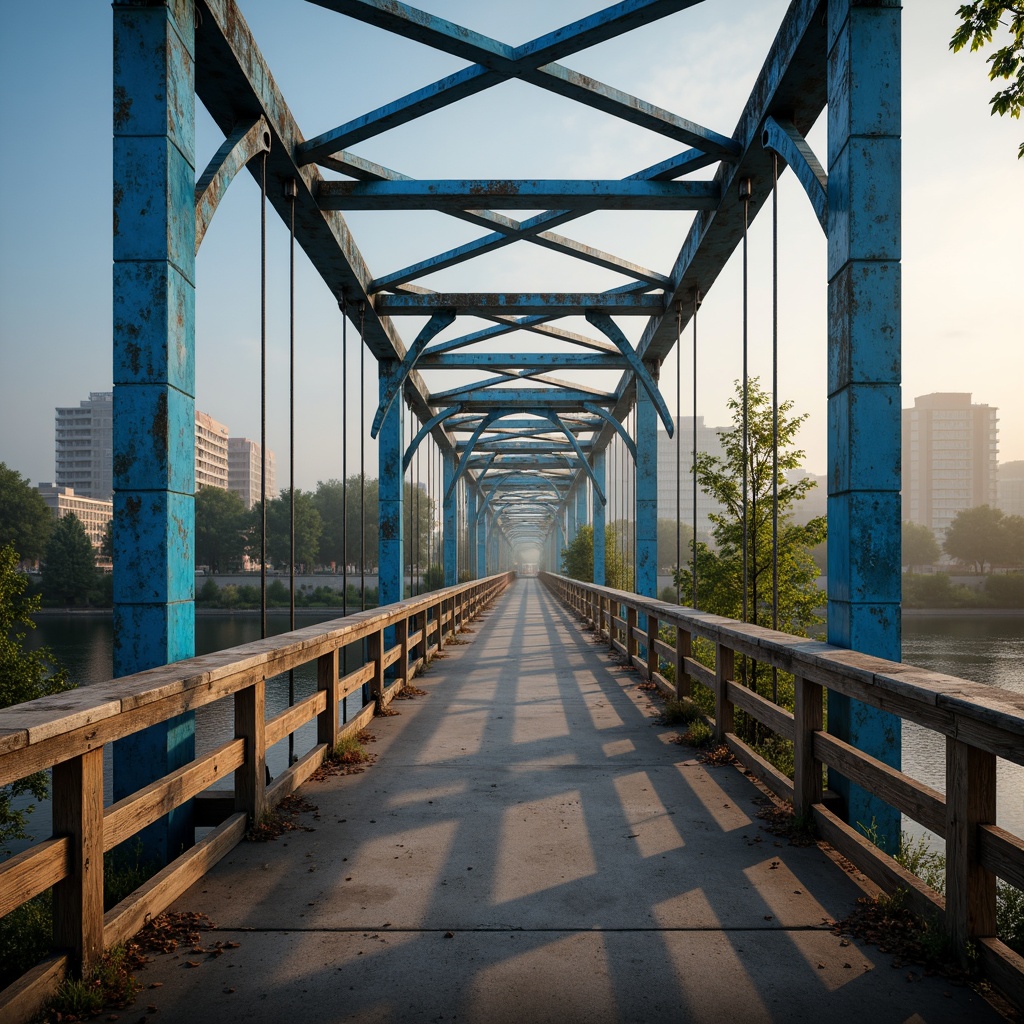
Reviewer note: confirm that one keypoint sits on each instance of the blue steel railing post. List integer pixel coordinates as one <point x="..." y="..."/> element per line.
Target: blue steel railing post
<point x="864" y="373"/>
<point x="599" y="462"/>
<point x="154" y="381"/>
<point x="451" y="538"/>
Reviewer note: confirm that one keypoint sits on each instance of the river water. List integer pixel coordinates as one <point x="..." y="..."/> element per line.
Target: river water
<point x="986" y="648"/>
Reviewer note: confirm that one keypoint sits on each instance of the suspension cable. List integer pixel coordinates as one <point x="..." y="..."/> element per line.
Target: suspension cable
<point x="263" y="399"/>
<point x="362" y="460"/>
<point x="745" y="196"/>
<point x="775" y="410"/>
<point x="344" y="455"/>
<point x="290" y="192"/>
<point x="679" y="449"/>
<point x="693" y="453"/>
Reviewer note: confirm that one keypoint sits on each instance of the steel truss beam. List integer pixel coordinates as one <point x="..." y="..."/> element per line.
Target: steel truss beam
<point x="492" y="303"/>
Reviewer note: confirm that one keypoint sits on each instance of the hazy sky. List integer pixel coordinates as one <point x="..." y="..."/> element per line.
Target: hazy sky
<point x="963" y="214"/>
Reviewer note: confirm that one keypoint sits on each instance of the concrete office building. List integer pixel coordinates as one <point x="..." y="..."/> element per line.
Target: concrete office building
<point x="93" y="513"/>
<point x="84" y="436"/>
<point x="950" y="452"/>
<point x="244" y="470"/>
<point x="708" y="440"/>
<point x="1010" y="488"/>
<point x="211" y="452"/>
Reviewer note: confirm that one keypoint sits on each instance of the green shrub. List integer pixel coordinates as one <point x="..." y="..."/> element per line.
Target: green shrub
<point x="26" y="937"/>
<point x="1005" y="590"/>
<point x="680" y="712"/>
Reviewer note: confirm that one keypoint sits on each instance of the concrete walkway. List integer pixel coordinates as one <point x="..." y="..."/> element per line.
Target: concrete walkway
<point x="529" y="846"/>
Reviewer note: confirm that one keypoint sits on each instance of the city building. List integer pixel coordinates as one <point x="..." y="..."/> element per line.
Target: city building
<point x="1010" y="488"/>
<point x="708" y="440"/>
<point x="244" y="470"/>
<point x="815" y="502"/>
<point x="84" y="437"/>
<point x="950" y="451"/>
<point x="211" y="452"/>
<point x="93" y="513"/>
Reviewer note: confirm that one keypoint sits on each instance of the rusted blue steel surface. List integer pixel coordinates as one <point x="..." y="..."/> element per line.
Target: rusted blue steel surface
<point x="154" y="379"/>
<point x="864" y="371"/>
<point x="391" y="483"/>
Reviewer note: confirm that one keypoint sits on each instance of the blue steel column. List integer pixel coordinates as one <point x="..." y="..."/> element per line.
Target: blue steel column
<point x="451" y="540"/>
<point x="471" y="514"/>
<point x="864" y="371"/>
<point x="154" y="380"/>
<point x="646" y="494"/>
<point x="390" y="544"/>
<point x="599" y="518"/>
<point x="482" y="568"/>
<point x="570" y="515"/>
<point x="581" y="504"/>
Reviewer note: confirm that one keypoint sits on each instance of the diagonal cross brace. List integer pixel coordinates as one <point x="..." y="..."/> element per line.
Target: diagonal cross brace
<point x="619" y="428"/>
<point x="598" y="489"/>
<point x="426" y="429"/>
<point x="437" y="323"/>
<point x="495" y="62"/>
<point x="604" y="323"/>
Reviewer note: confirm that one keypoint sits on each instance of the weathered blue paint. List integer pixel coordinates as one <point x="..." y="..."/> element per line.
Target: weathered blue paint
<point x="471" y="521"/>
<point x="506" y="304"/>
<point x="598" y="462"/>
<point x="450" y="522"/>
<point x="494" y="62"/>
<point x="582" y="515"/>
<point x="391" y="385"/>
<point x="390" y="446"/>
<point x="482" y="568"/>
<point x="646" y="494"/>
<point x="523" y="360"/>
<point x="518" y="194"/>
<point x="864" y="371"/>
<point x="783" y="138"/>
<point x="154" y="380"/>
<point x="616" y="424"/>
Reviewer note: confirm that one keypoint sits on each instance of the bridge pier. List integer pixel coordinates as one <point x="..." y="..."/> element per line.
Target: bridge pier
<point x="154" y="380"/>
<point x="864" y="372"/>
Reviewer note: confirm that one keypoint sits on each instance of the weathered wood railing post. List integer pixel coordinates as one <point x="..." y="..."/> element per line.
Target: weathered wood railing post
<point x="725" y="669"/>
<point x="653" y="662"/>
<point x="376" y="653"/>
<point x="327" y="680"/>
<point x="970" y="802"/>
<point x="684" y="650"/>
<point x="630" y="634"/>
<point x="808" y="718"/>
<point x="78" y="899"/>
<point x="402" y="636"/>
<point x="250" y="725"/>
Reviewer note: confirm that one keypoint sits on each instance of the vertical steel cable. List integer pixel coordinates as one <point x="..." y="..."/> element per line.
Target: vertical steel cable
<point x="693" y="453"/>
<point x="290" y="193"/>
<point x="263" y="399"/>
<point x="344" y="456"/>
<point x="745" y="195"/>
<point x="632" y="500"/>
<point x="362" y="459"/>
<point x="775" y="410"/>
<point x="679" y="449"/>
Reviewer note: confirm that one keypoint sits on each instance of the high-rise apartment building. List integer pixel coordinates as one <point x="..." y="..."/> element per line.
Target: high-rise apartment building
<point x="85" y="453"/>
<point x="84" y="438"/>
<point x="244" y="470"/>
<point x="1010" y="489"/>
<point x="211" y="452"/>
<point x="950" y="451"/>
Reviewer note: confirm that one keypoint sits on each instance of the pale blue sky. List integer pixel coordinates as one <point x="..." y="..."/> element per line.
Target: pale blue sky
<point x="962" y="225"/>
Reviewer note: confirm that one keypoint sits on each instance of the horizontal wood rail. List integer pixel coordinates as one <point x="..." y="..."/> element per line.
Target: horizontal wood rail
<point x="67" y="732"/>
<point x="981" y="723"/>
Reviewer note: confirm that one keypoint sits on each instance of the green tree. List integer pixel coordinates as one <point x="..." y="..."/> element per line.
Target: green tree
<point x="69" y="562"/>
<point x="979" y="22"/>
<point x="222" y="523"/>
<point x="329" y="501"/>
<point x="919" y="546"/>
<point x="418" y="509"/>
<point x="25" y="519"/>
<point x="977" y="536"/>
<point x="1013" y="542"/>
<point x="307" y="529"/>
<point x="107" y="544"/>
<point x="669" y="536"/>
<point x="578" y="559"/>
<point x="24" y="675"/>
<point x="720" y="572"/>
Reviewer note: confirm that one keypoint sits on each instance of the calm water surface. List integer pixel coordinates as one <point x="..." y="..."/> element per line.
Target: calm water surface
<point x="984" y="648"/>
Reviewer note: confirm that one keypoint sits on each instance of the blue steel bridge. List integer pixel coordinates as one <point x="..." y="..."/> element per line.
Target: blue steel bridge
<point x="522" y="448"/>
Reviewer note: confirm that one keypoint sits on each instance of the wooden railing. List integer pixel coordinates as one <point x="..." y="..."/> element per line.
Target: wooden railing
<point x="67" y="732"/>
<point x="980" y="723"/>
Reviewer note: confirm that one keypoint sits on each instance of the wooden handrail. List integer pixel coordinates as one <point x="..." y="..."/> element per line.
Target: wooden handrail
<point x="980" y="725"/>
<point x="67" y="732"/>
